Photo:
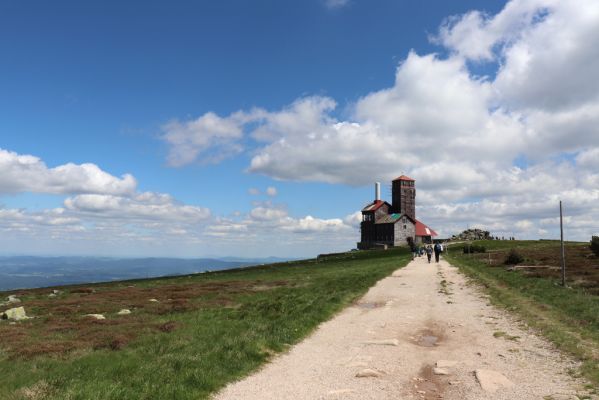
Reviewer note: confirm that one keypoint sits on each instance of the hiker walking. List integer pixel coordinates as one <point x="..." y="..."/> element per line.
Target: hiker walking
<point x="437" y="251"/>
<point x="412" y="248"/>
<point x="429" y="253"/>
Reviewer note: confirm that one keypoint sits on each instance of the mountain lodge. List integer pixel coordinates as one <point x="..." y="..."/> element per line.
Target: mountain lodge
<point x="394" y="224"/>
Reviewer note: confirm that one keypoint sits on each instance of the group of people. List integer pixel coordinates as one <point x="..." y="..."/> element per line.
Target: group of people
<point x="419" y="251"/>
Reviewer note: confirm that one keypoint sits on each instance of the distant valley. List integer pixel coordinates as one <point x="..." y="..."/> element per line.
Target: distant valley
<point x="32" y="272"/>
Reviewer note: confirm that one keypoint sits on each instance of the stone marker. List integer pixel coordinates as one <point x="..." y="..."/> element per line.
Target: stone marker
<point x="16" y="314"/>
<point x="95" y="316"/>
<point x="124" y="311"/>
<point x="368" y="373"/>
<point x="384" y="342"/>
<point x="490" y="380"/>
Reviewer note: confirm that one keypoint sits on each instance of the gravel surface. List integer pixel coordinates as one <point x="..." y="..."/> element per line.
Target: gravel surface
<point x="422" y="333"/>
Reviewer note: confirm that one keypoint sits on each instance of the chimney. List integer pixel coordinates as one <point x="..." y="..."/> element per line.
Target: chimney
<point x="377" y="191"/>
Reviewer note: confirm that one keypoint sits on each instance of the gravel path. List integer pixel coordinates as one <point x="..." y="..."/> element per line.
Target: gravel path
<point x="424" y="316"/>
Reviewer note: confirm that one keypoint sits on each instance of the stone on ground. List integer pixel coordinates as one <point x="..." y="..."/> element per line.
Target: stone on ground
<point x="384" y="342"/>
<point x="490" y="380"/>
<point x="13" y="299"/>
<point x="124" y="311"/>
<point x="446" y="364"/>
<point x="96" y="316"/>
<point x="16" y="314"/>
<point x="368" y="373"/>
<point x="440" y="371"/>
<point x="153" y="300"/>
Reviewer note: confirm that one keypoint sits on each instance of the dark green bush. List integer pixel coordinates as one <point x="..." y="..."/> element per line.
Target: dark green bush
<point x="595" y="245"/>
<point x="513" y="258"/>
<point x="474" y="248"/>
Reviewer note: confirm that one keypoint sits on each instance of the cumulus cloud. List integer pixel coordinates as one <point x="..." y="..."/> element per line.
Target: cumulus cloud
<point x="26" y="173"/>
<point x="144" y="206"/>
<point x="190" y="140"/>
<point x="271" y="191"/>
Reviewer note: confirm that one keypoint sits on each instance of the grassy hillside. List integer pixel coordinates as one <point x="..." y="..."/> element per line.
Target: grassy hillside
<point x="186" y="336"/>
<point x="567" y="316"/>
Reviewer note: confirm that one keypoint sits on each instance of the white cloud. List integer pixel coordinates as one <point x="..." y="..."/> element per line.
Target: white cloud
<point x="334" y="4"/>
<point x="267" y="214"/>
<point x="254" y="191"/>
<point x="143" y="206"/>
<point x="189" y="141"/>
<point x="271" y="191"/>
<point x="27" y="173"/>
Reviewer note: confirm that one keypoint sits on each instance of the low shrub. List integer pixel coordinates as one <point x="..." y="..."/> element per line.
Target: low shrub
<point x="513" y="258"/>
<point x="595" y="245"/>
<point x="474" y="248"/>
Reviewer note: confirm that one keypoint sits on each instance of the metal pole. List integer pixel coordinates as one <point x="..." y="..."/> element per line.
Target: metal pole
<point x="561" y="232"/>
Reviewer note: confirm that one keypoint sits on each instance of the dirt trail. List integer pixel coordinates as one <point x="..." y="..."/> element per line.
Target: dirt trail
<point x="396" y="334"/>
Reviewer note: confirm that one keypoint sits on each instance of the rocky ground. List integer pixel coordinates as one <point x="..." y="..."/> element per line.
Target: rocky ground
<point x="422" y="333"/>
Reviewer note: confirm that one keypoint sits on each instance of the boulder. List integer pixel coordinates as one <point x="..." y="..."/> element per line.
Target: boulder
<point x="440" y="371"/>
<point x="153" y="301"/>
<point x="12" y="299"/>
<point x="124" y="311"/>
<point x="16" y="314"/>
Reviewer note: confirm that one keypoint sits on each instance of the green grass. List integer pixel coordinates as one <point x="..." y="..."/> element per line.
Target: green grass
<point x="569" y="317"/>
<point x="211" y="345"/>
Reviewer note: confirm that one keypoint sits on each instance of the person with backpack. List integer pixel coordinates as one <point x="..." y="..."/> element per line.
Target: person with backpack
<point x="437" y="251"/>
<point x="429" y="253"/>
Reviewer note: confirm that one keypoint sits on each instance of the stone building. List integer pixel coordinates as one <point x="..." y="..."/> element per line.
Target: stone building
<point x="394" y="224"/>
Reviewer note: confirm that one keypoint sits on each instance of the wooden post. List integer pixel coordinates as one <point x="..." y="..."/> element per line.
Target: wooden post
<point x="561" y="233"/>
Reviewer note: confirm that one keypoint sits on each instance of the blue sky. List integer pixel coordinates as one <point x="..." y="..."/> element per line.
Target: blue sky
<point x="152" y="89"/>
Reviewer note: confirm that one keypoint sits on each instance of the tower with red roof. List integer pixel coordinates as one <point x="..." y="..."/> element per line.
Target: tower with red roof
<point x="403" y="196"/>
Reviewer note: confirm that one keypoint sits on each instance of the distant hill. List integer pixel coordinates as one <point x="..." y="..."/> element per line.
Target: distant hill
<point x="32" y="272"/>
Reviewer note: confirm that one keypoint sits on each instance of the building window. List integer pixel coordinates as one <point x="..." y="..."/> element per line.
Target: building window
<point x="405" y="227"/>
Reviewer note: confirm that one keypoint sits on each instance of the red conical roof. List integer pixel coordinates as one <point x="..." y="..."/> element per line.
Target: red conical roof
<point x="404" y="178"/>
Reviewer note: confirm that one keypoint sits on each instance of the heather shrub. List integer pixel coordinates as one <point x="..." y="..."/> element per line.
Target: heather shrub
<point x="474" y="248"/>
<point x="513" y="258"/>
<point x="595" y="245"/>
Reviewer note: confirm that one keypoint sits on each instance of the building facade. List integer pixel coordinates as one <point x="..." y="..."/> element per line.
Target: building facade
<point x="394" y="224"/>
